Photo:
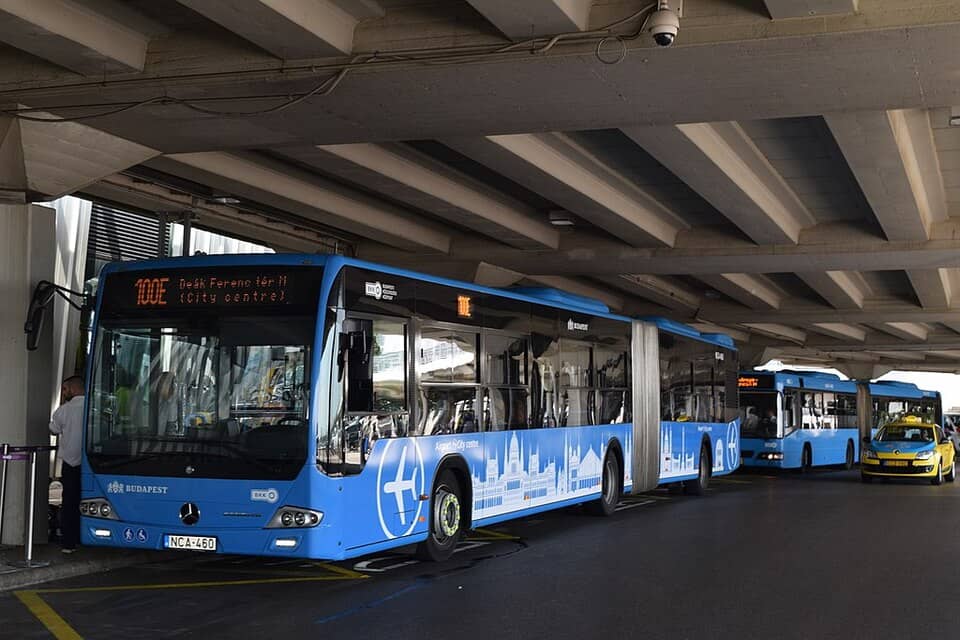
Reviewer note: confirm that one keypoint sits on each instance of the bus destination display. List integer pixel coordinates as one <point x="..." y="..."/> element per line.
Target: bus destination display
<point x="225" y="287"/>
<point x="755" y="382"/>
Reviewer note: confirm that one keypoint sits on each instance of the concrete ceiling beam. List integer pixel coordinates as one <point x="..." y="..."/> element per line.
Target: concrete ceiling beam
<point x="782" y="9"/>
<point x="934" y="287"/>
<point x="52" y="159"/>
<point x="840" y="330"/>
<point x="73" y="35"/>
<point x="878" y="316"/>
<point x="512" y="222"/>
<point x="914" y="356"/>
<point x="263" y="180"/>
<point x="754" y="291"/>
<point x="565" y="173"/>
<point x="658" y="289"/>
<point x="953" y="325"/>
<point x="776" y="330"/>
<point x="842" y="289"/>
<point x="843" y="250"/>
<point x="222" y="218"/>
<point x="911" y="331"/>
<point x="894" y="158"/>
<point x="721" y="163"/>
<point x="289" y="29"/>
<point x="529" y="18"/>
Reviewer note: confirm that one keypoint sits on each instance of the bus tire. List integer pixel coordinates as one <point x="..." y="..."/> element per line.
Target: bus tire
<point x="699" y="486"/>
<point x="446" y="520"/>
<point x="611" y="488"/>
<point x="937" y="480"/>
<point x="848" y="462"/>
<point x="806" y="459"/>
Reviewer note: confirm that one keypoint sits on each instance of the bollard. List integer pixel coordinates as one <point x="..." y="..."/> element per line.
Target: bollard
<point x="3" y="487"/>
<point x="28" y="561"/>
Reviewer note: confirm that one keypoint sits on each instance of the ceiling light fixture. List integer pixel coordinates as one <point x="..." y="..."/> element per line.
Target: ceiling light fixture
<point x="561" y="219"/>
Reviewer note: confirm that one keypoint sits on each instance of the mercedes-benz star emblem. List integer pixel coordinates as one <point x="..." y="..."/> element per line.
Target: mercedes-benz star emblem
<point x="189" y="469"/>
<point x="189" y="513"/>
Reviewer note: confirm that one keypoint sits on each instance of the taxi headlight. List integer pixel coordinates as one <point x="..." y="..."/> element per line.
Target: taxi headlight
<point x="925" y="455"/>
<point x="871" y="454"/>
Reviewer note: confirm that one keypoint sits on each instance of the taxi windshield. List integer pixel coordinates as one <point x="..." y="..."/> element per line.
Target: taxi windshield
<point x="905" y="433"/>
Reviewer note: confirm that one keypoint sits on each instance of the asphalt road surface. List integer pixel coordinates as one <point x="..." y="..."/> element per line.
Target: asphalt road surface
<point x="786" y="556"/>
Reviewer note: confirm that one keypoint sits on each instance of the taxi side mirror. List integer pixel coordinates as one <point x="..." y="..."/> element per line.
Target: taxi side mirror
<point x="944" y="440"/>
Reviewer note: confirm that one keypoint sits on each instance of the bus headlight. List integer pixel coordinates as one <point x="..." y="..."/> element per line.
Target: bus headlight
<point x="98" y="508"/>
<point x="294" y="517"/>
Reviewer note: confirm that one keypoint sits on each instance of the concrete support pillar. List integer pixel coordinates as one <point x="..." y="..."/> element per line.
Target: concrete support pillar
<point x="27" y="254"/>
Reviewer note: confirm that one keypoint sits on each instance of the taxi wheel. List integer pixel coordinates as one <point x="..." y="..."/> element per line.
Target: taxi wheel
<point x="938" y="479"/>
<point x="952" y="474"/>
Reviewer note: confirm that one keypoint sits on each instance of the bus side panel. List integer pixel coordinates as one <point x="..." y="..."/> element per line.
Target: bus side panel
<point x="511" y="471"/>
<point x="680" y="444"/>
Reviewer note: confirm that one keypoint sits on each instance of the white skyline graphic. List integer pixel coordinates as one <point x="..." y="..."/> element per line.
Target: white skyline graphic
<point x="520" y="478"/>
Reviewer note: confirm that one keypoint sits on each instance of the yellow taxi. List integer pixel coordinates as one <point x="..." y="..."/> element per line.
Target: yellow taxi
<point x="909" y="448"/>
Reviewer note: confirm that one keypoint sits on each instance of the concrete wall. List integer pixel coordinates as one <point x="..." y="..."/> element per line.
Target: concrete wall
<point x="27" y="254"/>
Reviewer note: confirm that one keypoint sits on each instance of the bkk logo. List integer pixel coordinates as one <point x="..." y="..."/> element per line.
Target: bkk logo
<point x="398" y="494"/>
<point x="264" y="495"/>
<point x="733" y="445"/>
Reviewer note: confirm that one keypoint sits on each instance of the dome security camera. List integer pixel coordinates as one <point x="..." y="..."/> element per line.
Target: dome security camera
<point x="664" y="25"/>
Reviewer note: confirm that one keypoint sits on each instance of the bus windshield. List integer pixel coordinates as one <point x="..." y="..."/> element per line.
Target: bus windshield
<point x="203" y="396"/>
<point x="758" y="414"/>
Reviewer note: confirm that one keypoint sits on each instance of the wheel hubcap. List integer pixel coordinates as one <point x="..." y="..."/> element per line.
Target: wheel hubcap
<point x="447" y="515"/>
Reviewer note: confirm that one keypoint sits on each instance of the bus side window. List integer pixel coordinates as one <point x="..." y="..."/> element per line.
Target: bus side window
<point x="789" y="414"/>
<point x="374" y="354"/>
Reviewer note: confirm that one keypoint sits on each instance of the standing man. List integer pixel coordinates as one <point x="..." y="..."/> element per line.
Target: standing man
<point x="67" y="422"/>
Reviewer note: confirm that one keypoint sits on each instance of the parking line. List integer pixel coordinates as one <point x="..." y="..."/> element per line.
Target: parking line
<point x="489" y="534"/>
<point x="50" y="619"/>
<point x="60" y="630"/>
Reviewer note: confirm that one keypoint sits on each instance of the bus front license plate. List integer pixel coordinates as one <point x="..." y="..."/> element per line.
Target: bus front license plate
<point x="190" y="543"/>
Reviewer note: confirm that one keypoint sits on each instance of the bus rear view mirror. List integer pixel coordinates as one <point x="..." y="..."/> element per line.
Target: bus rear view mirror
<point x="36" y="314"/>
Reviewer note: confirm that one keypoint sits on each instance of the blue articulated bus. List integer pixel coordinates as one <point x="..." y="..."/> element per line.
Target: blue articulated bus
<point x="802" y="419"/>
<point x="324" y="407"/>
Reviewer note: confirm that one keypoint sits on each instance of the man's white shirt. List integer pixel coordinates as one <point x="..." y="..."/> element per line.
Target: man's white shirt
<point x="67" y="422"/>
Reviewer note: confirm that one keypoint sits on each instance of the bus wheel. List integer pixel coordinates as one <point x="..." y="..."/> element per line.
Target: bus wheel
<point x="446" y="521"/>
<point x="952" y="474"/>
<point x="699" y="486"/>
<point x="610" y="489"/>
<point x="848" y="463"/>
<point x="806" y="459"/>
<point x="938" y="479"/>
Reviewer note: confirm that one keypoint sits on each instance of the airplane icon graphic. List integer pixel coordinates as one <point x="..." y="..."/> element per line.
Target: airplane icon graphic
<point x="399" y="485"/>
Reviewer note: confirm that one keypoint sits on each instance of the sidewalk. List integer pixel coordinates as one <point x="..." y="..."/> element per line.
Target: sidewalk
<point x="86" y="560"/>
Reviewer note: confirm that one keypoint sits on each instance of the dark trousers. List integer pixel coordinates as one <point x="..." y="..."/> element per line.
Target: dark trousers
<point x="70" y="507"/>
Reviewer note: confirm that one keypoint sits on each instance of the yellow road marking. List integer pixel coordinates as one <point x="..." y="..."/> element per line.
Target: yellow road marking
<point x="56" y="625"/>
<point x="63" y="631"/>
<point x="489" y="534"/>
